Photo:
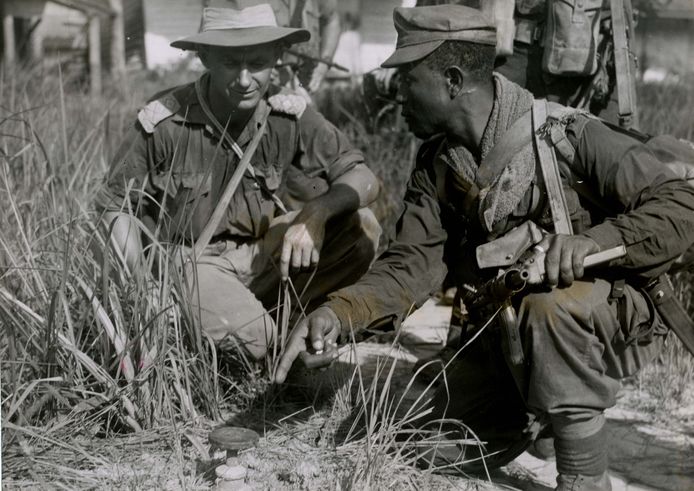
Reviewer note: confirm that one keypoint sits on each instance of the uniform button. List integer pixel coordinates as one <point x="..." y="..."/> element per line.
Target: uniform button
<point x="256" y="185"/>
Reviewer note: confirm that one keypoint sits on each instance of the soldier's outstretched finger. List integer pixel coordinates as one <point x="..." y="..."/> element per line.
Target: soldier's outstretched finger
<point x="295" y="345"/>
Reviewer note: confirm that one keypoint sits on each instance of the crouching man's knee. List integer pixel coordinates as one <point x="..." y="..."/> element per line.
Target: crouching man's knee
<point x="223" y="308"/>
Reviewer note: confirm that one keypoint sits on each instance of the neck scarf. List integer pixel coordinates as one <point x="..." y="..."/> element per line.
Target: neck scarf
<point x="499" y="199"/>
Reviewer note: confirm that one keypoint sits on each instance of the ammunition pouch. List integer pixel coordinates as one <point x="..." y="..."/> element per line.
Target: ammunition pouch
<point x="571" y="37"/>
<point x="641" y="334"/>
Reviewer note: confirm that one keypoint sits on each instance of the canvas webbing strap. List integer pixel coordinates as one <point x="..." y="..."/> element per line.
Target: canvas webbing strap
<point x="491" y="167"/>
<point x="296" y="17"/>
<point x="626" y="91"/>
<point x="221" y="208"/>
<point x="235" y="146"/>
<point x="550" y="170"/>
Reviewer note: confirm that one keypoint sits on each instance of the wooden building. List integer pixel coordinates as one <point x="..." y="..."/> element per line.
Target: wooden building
<point x="90" y="33"/>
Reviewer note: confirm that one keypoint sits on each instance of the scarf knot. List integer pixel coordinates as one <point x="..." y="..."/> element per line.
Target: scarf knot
<point x="497" y="200"/>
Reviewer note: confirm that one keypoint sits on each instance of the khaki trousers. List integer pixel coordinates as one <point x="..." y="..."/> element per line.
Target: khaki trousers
<point x="234" y="287"/>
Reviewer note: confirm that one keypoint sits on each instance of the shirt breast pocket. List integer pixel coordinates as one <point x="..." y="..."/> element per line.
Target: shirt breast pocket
<point x="192" y="204"/>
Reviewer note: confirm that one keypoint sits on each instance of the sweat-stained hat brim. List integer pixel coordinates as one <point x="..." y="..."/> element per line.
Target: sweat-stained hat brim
<point x="238" y="38"/>
<point x="421" y="30"/>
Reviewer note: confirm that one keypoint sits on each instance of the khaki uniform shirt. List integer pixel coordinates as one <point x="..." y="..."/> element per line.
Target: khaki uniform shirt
<point x="173" y="175"/>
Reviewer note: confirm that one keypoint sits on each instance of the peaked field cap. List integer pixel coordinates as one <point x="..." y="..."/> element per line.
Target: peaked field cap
<point x="238" y="27"/>
<point x="423" y="29"/>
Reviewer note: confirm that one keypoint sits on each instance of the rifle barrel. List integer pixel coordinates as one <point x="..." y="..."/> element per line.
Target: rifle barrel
<point x="314" y="59"/>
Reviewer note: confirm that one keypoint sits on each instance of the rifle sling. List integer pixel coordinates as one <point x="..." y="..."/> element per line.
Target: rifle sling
<point x="550" y="171"/>
<point x="221" y="208"/>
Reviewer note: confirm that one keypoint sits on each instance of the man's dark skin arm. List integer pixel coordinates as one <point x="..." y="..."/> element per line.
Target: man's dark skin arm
<point x="403" y="277"/>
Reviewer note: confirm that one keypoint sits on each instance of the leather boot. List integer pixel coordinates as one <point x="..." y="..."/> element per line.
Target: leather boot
<point x="569" y="482"/>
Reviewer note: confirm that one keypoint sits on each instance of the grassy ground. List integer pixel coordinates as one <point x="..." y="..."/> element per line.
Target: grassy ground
<point x="106" y="385"/>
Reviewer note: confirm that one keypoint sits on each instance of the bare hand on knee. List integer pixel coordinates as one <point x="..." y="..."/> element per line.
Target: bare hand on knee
<point x="302" y="242"/>
<point x="564" y="257"/>
<point x="317" y="332"/>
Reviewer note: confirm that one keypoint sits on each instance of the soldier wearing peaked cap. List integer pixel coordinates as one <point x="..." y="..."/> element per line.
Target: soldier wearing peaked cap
<point x="481" y="175"/>
<point x="565" y="51"/>
<point x="204" y="169"/>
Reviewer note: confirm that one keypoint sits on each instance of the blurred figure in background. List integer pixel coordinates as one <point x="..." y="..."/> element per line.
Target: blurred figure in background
<point x="311" y="59"/>
<point x="304" y="65"/>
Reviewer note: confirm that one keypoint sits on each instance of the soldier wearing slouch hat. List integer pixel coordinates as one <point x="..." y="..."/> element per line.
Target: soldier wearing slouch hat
<point x="203" y="171"/>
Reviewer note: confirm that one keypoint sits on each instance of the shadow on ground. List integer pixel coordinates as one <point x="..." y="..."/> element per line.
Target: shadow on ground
<point x="650" y="455"/>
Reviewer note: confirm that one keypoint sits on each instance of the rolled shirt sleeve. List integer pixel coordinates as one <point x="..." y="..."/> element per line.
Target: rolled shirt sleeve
<point x="128" y="176"/>
<point x="324" y="150"/>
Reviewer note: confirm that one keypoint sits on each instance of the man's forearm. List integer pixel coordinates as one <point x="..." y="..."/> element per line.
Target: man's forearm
<point x="355" y="189"/>
<point x="330" y="35"/>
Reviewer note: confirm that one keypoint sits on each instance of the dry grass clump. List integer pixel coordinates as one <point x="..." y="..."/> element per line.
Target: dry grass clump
<point x="83" y="338"/>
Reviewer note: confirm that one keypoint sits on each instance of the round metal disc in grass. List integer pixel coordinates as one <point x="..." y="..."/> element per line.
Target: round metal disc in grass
<point x="233" y="438"/>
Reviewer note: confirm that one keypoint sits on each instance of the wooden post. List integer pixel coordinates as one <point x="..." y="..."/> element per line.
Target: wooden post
<point x="117" y="39"/>
<point x="95" y="55"/>
<point x="10" y="53"/>
<point x="36" y="40"/>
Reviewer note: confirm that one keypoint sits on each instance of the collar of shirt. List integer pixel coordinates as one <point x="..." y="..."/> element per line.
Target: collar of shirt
<point x="192" y="111"/>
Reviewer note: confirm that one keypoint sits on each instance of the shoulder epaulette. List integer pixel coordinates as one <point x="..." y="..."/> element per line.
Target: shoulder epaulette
<point x="288" y="103"/>
<point x="157" y="111"/>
